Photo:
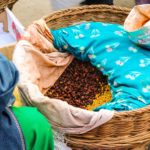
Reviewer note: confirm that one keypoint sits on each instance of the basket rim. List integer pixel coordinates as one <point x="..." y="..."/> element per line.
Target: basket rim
<point x="72" y="11"/>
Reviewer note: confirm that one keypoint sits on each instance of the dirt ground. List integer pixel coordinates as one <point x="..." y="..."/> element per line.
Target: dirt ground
<point x="29" y="10"/>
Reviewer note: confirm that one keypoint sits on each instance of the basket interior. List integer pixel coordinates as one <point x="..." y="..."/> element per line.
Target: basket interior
<point x="71" y="16"/>
<point x="81" y="85"/>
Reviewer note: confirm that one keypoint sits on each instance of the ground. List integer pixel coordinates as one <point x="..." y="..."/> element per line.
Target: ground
<point x="29" y="10"/>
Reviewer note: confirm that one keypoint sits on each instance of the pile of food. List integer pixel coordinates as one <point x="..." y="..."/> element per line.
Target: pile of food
<point x="81" y="85"/>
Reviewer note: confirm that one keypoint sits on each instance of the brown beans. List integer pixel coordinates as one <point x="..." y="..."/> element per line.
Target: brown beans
<point x="78" y="85"/>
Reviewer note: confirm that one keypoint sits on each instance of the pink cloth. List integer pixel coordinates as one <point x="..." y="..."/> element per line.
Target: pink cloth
<point x="38" y="57"/>
<point x="137" y="18"/>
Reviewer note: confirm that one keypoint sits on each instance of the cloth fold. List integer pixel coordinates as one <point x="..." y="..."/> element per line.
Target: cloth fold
<point x="40" y="65"/>
<point x="62" y="116"/>
<point x="37" y="53"/>
<point x="137" y="24"/>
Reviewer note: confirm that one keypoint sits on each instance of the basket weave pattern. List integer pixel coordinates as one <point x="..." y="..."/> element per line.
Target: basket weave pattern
<point x="6" y="3"/>
<point x="126" y="129"/>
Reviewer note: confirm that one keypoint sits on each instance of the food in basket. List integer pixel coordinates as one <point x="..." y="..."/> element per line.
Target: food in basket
<point x="81" y="85"/>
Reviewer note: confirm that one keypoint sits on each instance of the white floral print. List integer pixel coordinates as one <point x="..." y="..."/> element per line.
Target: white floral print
<point x="133" y="75"/>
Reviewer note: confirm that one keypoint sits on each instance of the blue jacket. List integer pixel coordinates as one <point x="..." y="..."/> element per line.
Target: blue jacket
<point x="10" y="133"/>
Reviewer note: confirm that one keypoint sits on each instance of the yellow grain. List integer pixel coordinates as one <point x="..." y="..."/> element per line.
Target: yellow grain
<point x="18" y="101"/>
<point x="101" y="99"/>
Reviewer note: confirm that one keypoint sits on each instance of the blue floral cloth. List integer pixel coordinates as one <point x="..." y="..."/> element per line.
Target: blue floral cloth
<point x="109" y="49"/>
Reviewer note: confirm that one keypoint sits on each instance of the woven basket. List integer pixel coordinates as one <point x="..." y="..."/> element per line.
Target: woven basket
<point x="129" y="130"/>
<point x="6" y="3"/>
